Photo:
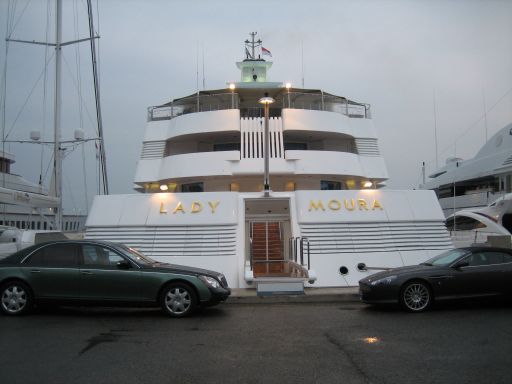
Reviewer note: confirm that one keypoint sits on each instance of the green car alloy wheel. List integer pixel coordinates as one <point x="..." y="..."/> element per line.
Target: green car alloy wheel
<point x="178" y="300"/>
<point x="16" y="298"/>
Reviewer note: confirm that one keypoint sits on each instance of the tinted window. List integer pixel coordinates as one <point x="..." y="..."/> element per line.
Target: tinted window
<point x="446" y="258"/>
<point x="295" y="146"/>
<point x="193" y="187"/>
<point x="226" y="147"/>
<point x="462" y="223"/>
<point x="327" y="185"/>
<point x="507" y="258"/>
<point x="485" y="258"/>
<point x="56" y="255"/>
<point x="96" y="255"/>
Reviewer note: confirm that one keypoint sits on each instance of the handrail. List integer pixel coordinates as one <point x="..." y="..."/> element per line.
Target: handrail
<point x="250" y="247"/>
<point x="232" y="100"/>
<point x="296" y="249"/>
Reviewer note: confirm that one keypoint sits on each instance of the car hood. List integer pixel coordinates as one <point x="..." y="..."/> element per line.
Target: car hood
<point x="402" y="271"/>
<point x="182" y="269"/>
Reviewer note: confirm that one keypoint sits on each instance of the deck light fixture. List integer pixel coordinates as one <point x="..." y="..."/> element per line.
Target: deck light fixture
<point x="266" y="101"/>
<point x="164" y="187"/>
<point x="367" y="184"/>
<point x="232" y="88"/>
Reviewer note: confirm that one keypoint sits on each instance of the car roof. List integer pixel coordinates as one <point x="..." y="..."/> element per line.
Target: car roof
<point x="22" y="253"/>
<point x="484" y="248"/>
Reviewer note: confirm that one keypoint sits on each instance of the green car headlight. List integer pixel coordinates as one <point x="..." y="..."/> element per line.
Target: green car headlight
<point x="210" y="281"/>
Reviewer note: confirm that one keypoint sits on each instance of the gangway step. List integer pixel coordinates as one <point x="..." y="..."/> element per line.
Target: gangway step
<point x="280" y="288"/>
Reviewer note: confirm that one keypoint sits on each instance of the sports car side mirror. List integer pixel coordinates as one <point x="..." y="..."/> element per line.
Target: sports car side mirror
<point x="123" y="264"/>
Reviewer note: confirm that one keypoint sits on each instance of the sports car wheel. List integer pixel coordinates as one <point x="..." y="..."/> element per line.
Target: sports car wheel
<point x="178" y="300"/>
<point x="16" y="298"/>
<point x="416" y="296"/>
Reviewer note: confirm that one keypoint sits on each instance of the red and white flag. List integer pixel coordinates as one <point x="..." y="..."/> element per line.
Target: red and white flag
<point x="265" y="51"/>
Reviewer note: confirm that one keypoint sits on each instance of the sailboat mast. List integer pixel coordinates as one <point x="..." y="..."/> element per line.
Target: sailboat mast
<point x="57" y="118"/>
<point x="103" y="158"/>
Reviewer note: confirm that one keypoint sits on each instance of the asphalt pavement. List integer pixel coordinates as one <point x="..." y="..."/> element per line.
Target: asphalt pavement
<point x="267" y="342"/>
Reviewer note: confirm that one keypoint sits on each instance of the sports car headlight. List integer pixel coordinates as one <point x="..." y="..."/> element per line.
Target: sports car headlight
<point x="210" y="281"/>
<point x="384" y="280"/>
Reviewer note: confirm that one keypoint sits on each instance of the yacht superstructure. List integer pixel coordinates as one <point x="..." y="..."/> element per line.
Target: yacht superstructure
<point x="476" y="182"/>
<point x="309" y="210"/>
<point x="26" y="205"/>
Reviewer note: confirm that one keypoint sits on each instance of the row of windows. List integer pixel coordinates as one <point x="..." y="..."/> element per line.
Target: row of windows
<point x="325" y="185"/>
<point x="67" y="225"/>
<point x="69" y="255"/>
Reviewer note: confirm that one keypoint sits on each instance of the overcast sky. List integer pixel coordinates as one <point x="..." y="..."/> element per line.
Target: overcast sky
<point x="398" y="56"/>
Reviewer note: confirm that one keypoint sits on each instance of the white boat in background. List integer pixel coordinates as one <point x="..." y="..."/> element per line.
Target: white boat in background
<point x="276" y="196"/>
<point x="477" y="182"/>
<point x="23" y="204"/>
<point x="26" y="205"/>
<point x="477" y="225"/>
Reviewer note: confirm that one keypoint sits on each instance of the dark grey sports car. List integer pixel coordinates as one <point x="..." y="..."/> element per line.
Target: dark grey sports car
<point x="458" y="273"/>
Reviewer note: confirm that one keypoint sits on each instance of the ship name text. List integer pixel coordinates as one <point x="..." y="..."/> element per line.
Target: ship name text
<point x="347" y="204"/>
<point x="195" y="207"/>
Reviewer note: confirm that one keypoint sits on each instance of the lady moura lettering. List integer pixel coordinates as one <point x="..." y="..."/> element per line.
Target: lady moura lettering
<point x="195" y="207"/>
<point x="347" y="204"/>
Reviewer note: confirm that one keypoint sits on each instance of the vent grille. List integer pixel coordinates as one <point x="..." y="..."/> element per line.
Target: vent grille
<point x="367" y="147"/>
<point x="190" y="241"/>
<point x="153" y="150"/>
<point x="376" y="237"/>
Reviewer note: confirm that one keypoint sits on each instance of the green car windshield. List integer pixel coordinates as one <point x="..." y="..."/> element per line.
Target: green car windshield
<point x="446" y="258"/>
<point x="138" y="256"/>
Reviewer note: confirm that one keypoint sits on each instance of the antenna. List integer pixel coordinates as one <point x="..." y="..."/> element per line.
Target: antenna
<point x="251" y="55"/>
<point x="204" y="81"/>
<point x="302" y="60"/>
<point x="197" y="67"/>
<point x="485" y="114"/>
<point x="435" y="129"/>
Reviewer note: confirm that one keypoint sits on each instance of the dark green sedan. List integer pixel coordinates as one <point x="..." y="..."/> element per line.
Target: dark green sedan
<point x="96" y="272"/>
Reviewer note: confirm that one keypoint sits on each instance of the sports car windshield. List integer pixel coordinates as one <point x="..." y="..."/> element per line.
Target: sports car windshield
<point x="138" y="256"/>
<point x="446" y="258"/>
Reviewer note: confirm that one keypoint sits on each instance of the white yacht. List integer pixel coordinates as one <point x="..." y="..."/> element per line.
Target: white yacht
<point x="277" y="187"/>
<point x="477" y="182"/>
<point x="476" y="225"/>
<point x="26" y="205"/>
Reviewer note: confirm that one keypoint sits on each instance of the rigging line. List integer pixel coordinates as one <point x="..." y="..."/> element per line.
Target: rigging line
<point x="26" y="101"/>
<point x="45" y="85"/>
<point x="4" y="91"/>
<point x="103" y="156"/>
<point x="67" y="186"/>
<point x="78" y="67"/>
<point x="99" y="40"/>
<point x="11" y="14"/>
<point x="49" y="167"/>
<point x="68" y="67"/>
<point x="19" y="18"/>
<point x="84" y="170"/>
